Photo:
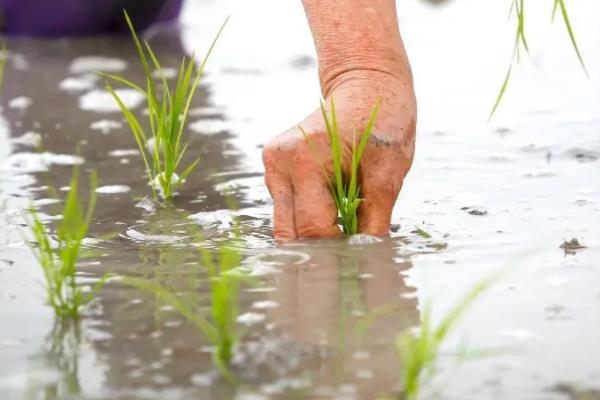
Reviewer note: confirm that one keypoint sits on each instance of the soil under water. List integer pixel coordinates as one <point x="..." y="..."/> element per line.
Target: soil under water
<point x="504" y="195"/>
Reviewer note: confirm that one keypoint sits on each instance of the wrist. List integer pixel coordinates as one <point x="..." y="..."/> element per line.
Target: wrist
<point x="392" y="66"/>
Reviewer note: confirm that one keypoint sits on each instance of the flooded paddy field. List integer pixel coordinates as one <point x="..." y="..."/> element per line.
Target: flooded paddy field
<point x="320" y="318"/>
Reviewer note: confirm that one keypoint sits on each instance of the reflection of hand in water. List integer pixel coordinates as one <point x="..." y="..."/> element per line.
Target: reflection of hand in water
<point x="326" y="302"/>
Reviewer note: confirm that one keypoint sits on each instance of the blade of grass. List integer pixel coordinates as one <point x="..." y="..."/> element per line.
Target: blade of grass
<point x="501" y="93"/>
<point x="566" y="19"/>
<point x="3" y="60"/>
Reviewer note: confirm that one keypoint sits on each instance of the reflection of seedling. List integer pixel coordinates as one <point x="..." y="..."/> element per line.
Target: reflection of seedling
<point x="419" y="350"/>
<point x="60" y="356"/>
<point x="225" y="281"/>
<point x="58" y="256"/>
<point x="345" y="190"/>
<point x="167" y="113"/>
<point x="518" y="6"/>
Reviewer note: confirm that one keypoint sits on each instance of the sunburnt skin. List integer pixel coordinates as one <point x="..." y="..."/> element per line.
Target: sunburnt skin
<point x="362" y="61"/>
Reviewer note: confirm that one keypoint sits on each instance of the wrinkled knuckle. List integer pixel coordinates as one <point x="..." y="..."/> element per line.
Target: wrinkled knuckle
<point x="284" y="233"/>
<point x="382" y="187"/>
<point x="270" y="154"/>
<point x="317" y="229"/>
<point x="302" y="154"/>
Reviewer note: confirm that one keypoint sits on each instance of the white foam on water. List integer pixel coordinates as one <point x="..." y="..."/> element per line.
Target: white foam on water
<point x="78" y="83"/>
<point x="43" y="202"/>
<point x="97" y="63"/>
<point x="37" y="162"/>
<point x="102" y="101"/>
<point x="209" y="127"/>
<point x="250" y="318"/>
<point x="111" y="189"/>
<point x="168" y="73"/>
<point x="124" y="152"/>
<point x="105" y="125"/>
<point x="265" y="304"/>
<point x="21" y="102"/>
<point x="362" y="239"/>
<point x="32" y="139"/>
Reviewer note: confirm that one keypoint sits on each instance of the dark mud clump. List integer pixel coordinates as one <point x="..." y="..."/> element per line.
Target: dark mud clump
<point x="475" y="210"/>
<point x="571" y="246"/>
<point x="572" y="393"/>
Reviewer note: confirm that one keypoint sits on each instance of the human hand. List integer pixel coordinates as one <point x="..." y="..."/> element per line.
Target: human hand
<point x="294" y="170"/>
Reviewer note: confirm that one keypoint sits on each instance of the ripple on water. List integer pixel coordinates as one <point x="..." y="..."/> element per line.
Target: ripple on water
<point x="276" y="257"/>
<point x="134" y="234"/>
<point x="221" y="219"/>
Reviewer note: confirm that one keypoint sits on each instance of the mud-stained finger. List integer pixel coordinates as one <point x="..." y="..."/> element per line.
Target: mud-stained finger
<point x="375" y="210"/>
<point x="314" y="208"/>
<point x="283" y="206"/>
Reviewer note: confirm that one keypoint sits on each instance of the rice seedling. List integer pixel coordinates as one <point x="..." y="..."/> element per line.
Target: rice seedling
<point x="225" y="280"/>
<point x="422" y="233"/>
<point x="419" y="349"/>
<point x="163" y="150"/>
<point x="345" y="190"/>
<point x="58" y="254"/>
<point x="518" y="7"/>
<point x="3" y="59"/>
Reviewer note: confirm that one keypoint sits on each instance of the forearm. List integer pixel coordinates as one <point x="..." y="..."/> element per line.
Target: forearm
<point x="356" y="36"/>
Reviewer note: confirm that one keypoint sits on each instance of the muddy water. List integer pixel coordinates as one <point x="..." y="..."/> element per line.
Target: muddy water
<point x="321" y="324"/>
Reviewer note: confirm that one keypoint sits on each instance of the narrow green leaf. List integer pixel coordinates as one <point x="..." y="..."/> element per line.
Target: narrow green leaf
<point x="565" y="14"/>
<point x="501" y="93"/>
<point x="3" y="61"/>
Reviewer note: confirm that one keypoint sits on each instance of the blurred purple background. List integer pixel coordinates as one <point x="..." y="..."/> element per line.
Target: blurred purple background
<point x="55" y="18"/>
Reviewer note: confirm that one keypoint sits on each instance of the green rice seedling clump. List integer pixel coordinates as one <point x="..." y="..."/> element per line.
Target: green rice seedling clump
<point x="168" y="108"/>
<point x="419" y="349"/>
<point x="58" y="255"/>
<point x="345" y="190"/>
<point x="225" y="280"/>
